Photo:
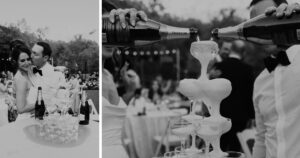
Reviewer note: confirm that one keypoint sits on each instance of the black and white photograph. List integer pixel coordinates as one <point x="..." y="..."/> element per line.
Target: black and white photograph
<point x="200" y="79"/>
<point x="49" y="73"/>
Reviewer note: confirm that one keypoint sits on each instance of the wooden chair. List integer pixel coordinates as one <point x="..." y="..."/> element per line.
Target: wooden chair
<point x="247" y="138"/>
<point x="127" y="144"/>
<point x="94" y="114"/>
<point x="94" y="110"/>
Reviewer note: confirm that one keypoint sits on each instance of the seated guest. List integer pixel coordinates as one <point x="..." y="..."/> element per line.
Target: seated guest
<point x="155" y="93"/>
<point x="130" y="82"/>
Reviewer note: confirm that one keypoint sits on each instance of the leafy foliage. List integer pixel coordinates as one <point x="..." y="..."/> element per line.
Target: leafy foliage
<point x="78" y="54"/>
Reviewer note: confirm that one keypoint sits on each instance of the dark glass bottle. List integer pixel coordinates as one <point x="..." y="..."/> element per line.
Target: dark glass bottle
<point x="143" y="33"/>
<point x="84" y="110"/>
<point x="264" y="30"/>
<point x="39" y="105"/>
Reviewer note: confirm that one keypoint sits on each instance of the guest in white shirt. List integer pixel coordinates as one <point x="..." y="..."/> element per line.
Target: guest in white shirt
<point x="276" y="96"/>
<point x="113" y="107"/>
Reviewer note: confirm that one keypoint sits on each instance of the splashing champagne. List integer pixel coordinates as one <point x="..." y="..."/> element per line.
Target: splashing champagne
<point x="144" y="33"/>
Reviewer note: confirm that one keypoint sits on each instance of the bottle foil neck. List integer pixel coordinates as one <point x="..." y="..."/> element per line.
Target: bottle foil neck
<point x="235" y="32"/>
<point x="170" y="32"/>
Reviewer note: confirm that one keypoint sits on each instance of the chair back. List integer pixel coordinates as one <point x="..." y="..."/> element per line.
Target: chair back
<point x="247" y="138"/>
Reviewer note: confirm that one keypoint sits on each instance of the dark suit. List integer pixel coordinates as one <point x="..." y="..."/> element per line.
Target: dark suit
<point x="238" y="106"/>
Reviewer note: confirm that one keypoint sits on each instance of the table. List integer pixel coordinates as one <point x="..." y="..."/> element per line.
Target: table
<point x="142" y="129"/>
<point x="16" y="143"/>
<point x="3" y="112"/>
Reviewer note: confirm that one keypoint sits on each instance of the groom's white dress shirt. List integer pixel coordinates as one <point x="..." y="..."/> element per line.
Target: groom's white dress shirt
<point x="50" y="82"/>
<point x="276" y="101"/>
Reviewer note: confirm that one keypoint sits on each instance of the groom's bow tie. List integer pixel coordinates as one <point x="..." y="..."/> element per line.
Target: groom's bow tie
<point x="35" y="70"/>
<point x="272" y="62"/>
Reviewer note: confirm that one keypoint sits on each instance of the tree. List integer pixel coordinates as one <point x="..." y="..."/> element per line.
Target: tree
<point x="75" y="52"/>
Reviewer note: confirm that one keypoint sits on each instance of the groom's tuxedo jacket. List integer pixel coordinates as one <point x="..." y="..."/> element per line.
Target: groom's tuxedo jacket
<point x="50" y="81"/>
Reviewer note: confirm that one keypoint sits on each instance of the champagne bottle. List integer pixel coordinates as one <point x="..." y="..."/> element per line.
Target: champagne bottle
<point x="264" y="30"/>
<point x="39" y="105"/>
<point x="144" y="33"/>
<point x="84" y="110"/>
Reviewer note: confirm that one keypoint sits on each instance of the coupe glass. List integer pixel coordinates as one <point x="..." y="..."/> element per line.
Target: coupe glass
<point x="182" y="128"/>
<point x="194" y="119"/>
<point x="182" y="154"/>
<point x="208" y="133"/>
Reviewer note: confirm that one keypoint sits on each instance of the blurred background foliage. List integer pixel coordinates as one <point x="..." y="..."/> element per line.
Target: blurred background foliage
<point x="78" y="54"/>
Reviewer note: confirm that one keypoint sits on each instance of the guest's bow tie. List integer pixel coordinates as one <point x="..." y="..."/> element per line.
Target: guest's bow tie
<point x="35" y="70"/>
<point x="272" y="62"/>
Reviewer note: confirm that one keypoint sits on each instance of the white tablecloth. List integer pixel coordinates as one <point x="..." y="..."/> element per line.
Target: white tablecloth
<point x="16" y="143"/>
<point x="3" y="112"/>
<point x="142" y="129"/>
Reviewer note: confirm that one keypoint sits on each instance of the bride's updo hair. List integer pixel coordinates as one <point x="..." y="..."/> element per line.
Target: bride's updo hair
<point x="16" y="42"/>
<point x="16" y="51"/>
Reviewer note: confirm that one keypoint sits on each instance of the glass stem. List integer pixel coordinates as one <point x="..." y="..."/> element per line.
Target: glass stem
<point x="206" y="148"/>
<point x="191" y="106"/>
<point x="193" y="141"/>
<point x="182" y="145"/>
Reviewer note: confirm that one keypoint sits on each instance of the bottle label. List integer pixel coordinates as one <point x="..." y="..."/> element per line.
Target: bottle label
<point x="81" y="117"/>
<point x="104" y="38"/>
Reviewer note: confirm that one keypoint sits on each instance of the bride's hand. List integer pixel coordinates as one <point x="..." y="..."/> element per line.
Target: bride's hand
<point x="7" y="101"/>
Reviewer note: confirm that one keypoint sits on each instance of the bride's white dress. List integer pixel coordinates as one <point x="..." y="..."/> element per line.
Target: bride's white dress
<point x="31" y="94"/>
<point x="113" y="121"/>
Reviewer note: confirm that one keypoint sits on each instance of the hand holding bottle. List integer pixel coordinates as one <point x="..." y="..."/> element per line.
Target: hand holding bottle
<point x="122" y="13"/>
<point x="283" y="10"/>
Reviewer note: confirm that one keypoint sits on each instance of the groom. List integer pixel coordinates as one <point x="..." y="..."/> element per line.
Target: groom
<point x="44" y="74"/>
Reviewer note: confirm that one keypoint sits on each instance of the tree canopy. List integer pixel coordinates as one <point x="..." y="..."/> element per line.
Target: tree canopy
<point x="77" y="54"/>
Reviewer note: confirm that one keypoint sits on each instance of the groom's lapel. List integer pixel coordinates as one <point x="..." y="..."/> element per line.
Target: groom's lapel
<point x="50" y="78"/>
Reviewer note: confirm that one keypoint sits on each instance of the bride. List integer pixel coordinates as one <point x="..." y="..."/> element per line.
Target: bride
<point x="113" y="107"/>
<point x="21" y="83"/>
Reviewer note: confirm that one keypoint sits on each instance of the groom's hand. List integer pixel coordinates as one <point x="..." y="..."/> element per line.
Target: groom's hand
<point x="122" y="13"/>
<point x="283" y="10"/>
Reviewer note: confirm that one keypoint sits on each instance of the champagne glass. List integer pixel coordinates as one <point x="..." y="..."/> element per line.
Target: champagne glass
<point x="170" y="154"/>
<point x="182" y="154"/>
<point x="209" y="132"/>
<point x="194" y="119"/>
<point x="182" y="128"/>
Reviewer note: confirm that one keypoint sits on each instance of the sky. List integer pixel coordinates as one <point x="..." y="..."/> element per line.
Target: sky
<point x="63" y="18"/>
<point x="204" y="9"/>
